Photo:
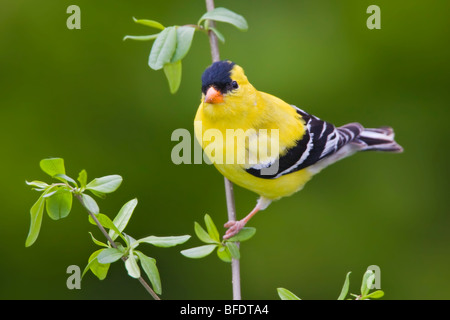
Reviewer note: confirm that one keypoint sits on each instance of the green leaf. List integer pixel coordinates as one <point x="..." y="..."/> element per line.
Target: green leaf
<point x="173" y="75"/>
<point x="184" y="41"/>
<point x="149" y="23"/>
<point x="82" y="178"/>
<point x="132" y="266"/>
<point x="243" y="235"/>
<point x="234" y="250"/>
<point x="98" y="269"/>
<point x="130" y="241"/>
<point x="36" y="212"/>
<point x="53" y="166"/>
<point x="374" y="295"/>
<point x="90" y="203"/>
<point x="109" y="255"/>
<point x="224" y="254"/>
<point x="38" y="184"/>
<point x="59" y="204"/>
<point x="285" y="294"/>
<point x="345" y="287"/>
<point x="163" y="48"/>
<point x="367" y="282"/>
<point x="100" y="195"/>
<point x="165" y="242"/>
<point x="122" y="218"/>
<point x="199" y="252"/>
<point x="98" y="242"/>
<point x="150" y="269"/>
<point x="106" y="184"/>
<point x="211" y="227"/>
<point x="141" y="38"/>
<point x="105" y="221"/>
<point x="64" y="178"/>
<point x="202" y="234"/>
<point x="50" y="191"/>
<point x="225" y="15"/>
<point x="218" y="34"/>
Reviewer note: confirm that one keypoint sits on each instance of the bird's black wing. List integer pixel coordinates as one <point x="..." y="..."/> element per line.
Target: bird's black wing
<point x="321" y="139"/>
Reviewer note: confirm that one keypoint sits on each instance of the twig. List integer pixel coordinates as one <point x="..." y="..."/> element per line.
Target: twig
<point x="235" y="267"/>
<point x="113" y="244"/>
<point x="213" y="41"/>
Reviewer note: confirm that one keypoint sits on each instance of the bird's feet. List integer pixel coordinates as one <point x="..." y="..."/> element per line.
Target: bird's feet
<point x="233" y="228"/>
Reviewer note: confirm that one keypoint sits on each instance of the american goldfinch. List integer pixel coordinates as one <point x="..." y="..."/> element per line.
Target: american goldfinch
<point x="305" y="144"/>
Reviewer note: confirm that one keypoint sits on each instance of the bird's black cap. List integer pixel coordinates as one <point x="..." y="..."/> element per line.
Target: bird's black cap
<point x="218" y="75"/>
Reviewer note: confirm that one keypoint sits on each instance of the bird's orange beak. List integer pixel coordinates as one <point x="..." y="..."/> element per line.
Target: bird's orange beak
<point x="213" y="96"/>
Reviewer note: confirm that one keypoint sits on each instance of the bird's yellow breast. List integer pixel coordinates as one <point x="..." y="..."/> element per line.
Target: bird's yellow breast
<point x="251" y="111"/>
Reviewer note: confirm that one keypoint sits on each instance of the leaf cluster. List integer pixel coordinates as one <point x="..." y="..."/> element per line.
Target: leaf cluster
<point x="173" y="43"/>
<point x="226" y="250"/>
<point x="57" y="199"/>
<point x="100" y="260"/>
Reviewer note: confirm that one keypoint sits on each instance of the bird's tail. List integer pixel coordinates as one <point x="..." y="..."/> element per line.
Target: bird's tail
<point x="379" y="139"/>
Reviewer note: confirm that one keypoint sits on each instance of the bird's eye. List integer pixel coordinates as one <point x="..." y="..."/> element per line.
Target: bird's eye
<point x="235" y="85"/>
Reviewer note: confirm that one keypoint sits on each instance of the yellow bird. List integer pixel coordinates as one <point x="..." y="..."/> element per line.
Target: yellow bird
<point x="301" y="144"/>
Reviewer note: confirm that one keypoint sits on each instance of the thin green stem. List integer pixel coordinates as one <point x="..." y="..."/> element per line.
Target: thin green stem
<point x="99" y="225"/>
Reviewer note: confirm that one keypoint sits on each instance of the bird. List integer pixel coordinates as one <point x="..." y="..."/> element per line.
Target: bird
<point x="304" y="144"/>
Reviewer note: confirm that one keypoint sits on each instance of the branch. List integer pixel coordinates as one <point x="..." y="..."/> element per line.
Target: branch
<point x="235" y="267"/>
<point x="213" y="41"/>
<point x="113" y="244"/>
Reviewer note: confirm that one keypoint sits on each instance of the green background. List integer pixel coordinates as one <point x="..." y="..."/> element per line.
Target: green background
<point x="90" y="98"/>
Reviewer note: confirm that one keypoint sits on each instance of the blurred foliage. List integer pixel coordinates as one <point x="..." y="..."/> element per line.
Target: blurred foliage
<point x="367" y="284"/>
<point x="90" y="98"/>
